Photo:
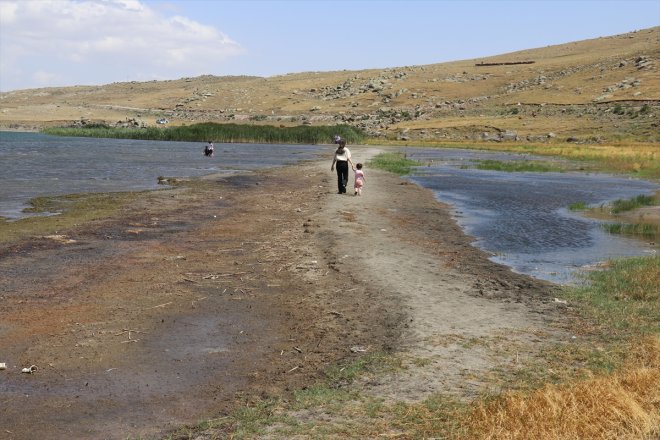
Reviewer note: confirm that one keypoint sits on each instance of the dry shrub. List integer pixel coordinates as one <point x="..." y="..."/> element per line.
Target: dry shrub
<point x="622" y="406"/>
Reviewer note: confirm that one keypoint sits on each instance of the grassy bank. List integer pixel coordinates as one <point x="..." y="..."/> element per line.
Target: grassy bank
<point x="626" y="216"/>
<point x="303" y="134"/>
<point x="623" y="205"/>
<point x="601" y="385"/>
<point x="620" y="358"/>
<point x="641" y="160"/>
<point x="396" y="163"/>
<point x="517" y="166"/>
<point x="624" y="299"/>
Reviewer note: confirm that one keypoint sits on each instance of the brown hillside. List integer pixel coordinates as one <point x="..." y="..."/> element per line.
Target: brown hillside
<point x="601" y="90"/>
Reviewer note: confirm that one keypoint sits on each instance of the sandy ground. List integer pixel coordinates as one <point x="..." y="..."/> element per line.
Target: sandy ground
<point x="193" y="301"/>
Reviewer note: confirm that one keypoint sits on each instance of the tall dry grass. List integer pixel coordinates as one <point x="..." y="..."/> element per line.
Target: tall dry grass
<point x="639" y="159"/>
<point x="623" y="406"/>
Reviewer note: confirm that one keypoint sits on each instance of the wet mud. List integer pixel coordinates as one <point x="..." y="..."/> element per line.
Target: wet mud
<point x="194" y="301"/>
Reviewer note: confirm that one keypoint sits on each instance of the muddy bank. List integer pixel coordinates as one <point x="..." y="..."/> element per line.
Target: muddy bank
<point x="194" y="300"/>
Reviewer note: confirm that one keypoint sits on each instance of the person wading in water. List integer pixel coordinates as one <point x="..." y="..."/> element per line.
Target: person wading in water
<point x="208" y="150"/>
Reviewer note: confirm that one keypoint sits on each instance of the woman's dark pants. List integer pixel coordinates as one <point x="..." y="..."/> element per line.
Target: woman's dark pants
<point x="342" y="175"/>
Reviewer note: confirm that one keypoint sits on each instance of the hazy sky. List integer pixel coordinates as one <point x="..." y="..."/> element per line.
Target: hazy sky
<point x="89" y="42"/>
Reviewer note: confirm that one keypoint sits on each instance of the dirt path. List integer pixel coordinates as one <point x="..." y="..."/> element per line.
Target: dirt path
<point x="193" y="301"/>
<point x="461" y="314"/>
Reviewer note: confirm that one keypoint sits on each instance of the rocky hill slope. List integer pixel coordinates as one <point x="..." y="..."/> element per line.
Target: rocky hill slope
<point x="601" y="90"/>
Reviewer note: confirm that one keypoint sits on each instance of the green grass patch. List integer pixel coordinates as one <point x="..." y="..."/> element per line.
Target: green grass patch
<point x="247" y="422"/>
<point x="614" y="354"/>
<point x="578" y="206"/>
<point x="360" y="417"/>
<point x="623" y="205"/>
<point x="625" y="299"/>
<point x="331" y="397"/>
<point x="617" y="308"/>
<point x="267" y="134"/>
<point x="396" y="163"/>
<point x="517" y="166"/>
<point x="373" y="363"/>
<point x="645" y="230"/>
<point x="71" y="210"/>
<point x="253" y="419"/>
<point x="436" y="417"/>
<point x="321" y="396"/>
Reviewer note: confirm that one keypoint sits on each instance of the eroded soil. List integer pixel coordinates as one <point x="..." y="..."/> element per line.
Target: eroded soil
<point x="197" y="299"/>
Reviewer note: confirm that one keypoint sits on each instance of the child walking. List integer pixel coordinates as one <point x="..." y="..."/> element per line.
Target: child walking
<point x="359" y="179"/>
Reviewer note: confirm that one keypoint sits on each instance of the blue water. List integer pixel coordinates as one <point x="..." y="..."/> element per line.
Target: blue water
<point x="33" y="164"/>
<point x="522" y="219"/>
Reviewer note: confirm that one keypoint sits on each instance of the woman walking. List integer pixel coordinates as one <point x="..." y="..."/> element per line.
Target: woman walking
<point x="341" y="160"/>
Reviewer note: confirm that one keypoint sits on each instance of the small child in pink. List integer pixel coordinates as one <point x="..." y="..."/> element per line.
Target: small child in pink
<point x="359" y="179"/>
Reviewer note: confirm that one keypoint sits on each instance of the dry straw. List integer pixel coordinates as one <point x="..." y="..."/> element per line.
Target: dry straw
<point x="622" y="406"/>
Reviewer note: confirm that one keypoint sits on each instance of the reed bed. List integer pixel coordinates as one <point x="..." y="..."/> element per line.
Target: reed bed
<point x="622" y="205"/>
<point x="578" y="206"/>
<point x="648" y="231"/>
<point x="222" y="133"/>
<point x="639" y="159"/>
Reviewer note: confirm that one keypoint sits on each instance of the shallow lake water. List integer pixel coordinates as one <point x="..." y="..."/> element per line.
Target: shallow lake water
<point x="33" y="164"/>
<point x="522" y="218"/>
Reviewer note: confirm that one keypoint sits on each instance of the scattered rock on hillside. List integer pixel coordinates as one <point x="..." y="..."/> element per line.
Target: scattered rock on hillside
<point x="644" y="62"/>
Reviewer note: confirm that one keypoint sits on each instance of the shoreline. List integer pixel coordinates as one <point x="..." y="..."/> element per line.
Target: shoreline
<point x="185" y="303"/>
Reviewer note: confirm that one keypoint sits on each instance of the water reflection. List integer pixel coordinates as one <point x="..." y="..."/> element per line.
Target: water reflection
<point x="522" y="218"/>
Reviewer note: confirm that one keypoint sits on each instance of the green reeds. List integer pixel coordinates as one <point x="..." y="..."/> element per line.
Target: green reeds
<point x="634" y="203"/>
<point x="645" y="230"/>
<point x="221" y="133"/>
<point x="578" y="206"/>
<point x="516" y="166"/>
